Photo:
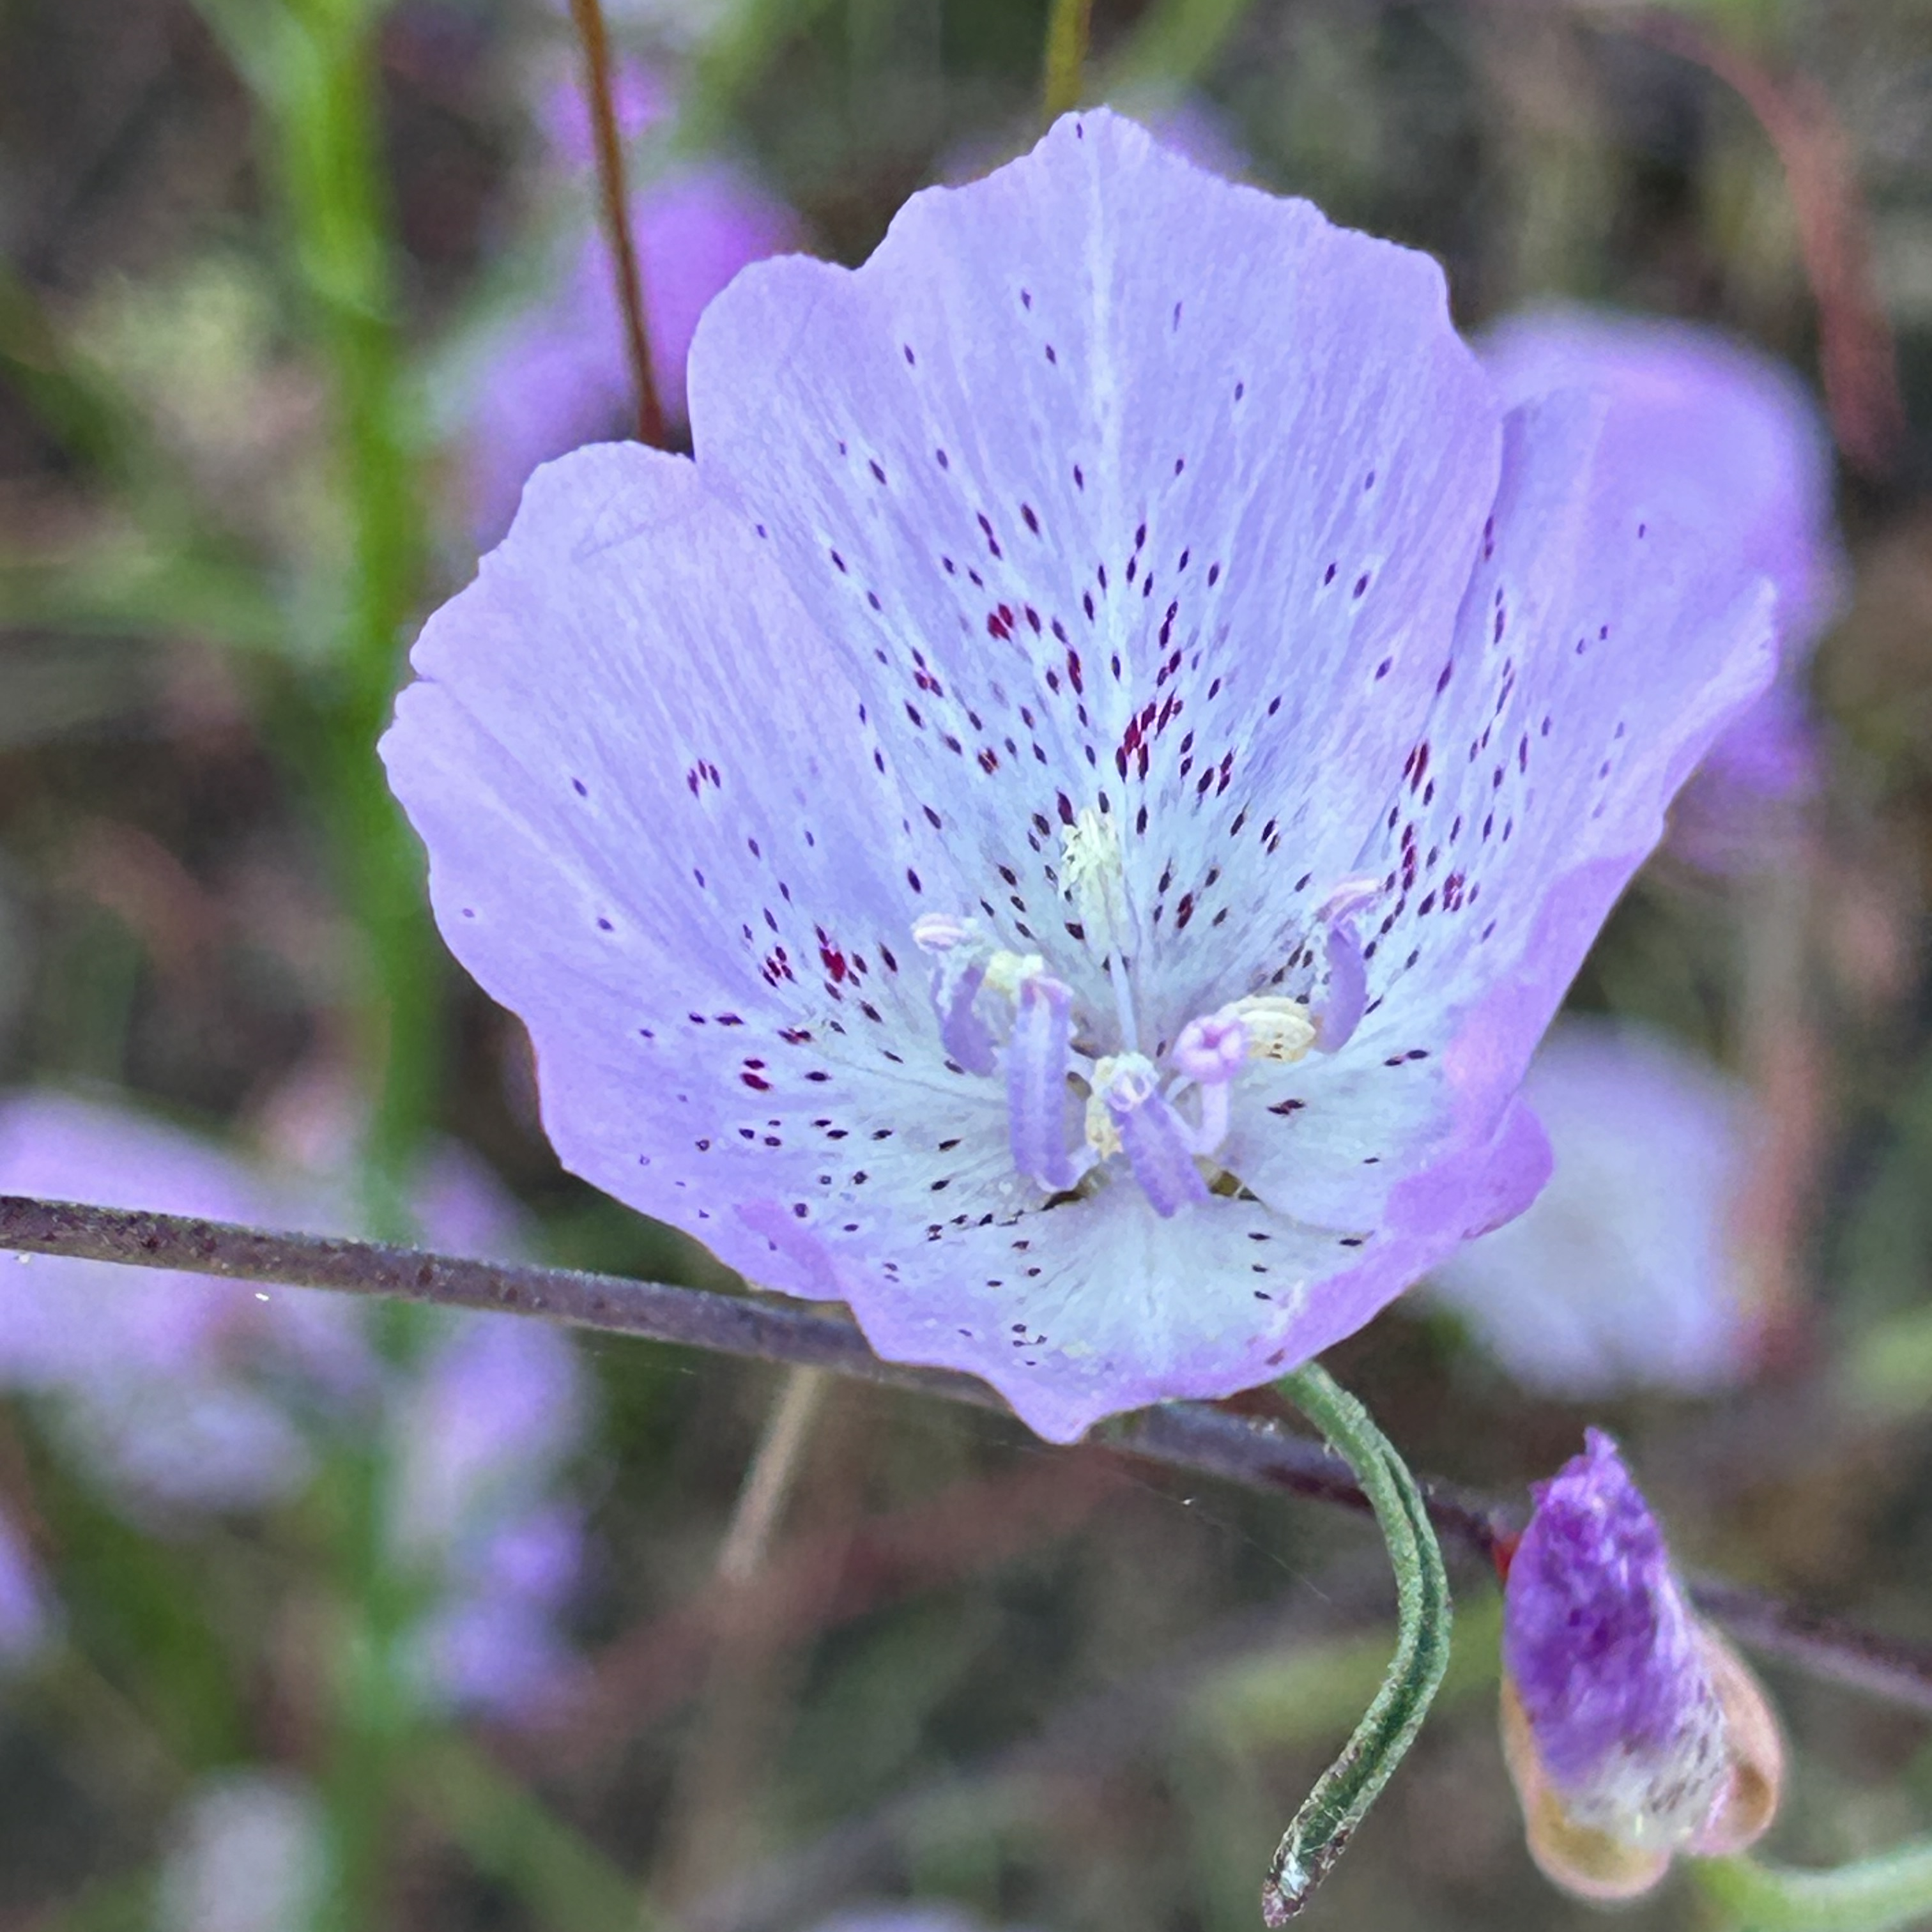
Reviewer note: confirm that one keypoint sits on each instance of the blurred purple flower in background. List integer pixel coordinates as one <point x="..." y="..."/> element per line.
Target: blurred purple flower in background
<point x="907" y="1915"/>
<point x="27" y="1613"/>
<point x="1626" y="1271"/>
<point x="1064" y="827"/>
<point x="556" y="375"/>
<point x="186" y="1393"/>
<point x="478" y="1446"/>
<point x="151" y="1368"/>
<point x="1632" y="1730"/>
<point x="250" y="1855"/>
<point x="1740" y="442"/>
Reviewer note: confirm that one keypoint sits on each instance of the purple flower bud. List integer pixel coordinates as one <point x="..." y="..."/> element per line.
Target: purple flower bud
<point x="1632" y="1731"/>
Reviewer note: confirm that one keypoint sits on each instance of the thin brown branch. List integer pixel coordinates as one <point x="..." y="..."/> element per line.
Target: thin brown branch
<point x="1189" y="1436"/>
<point x="1081" y="1741"/>
<point x="598" y="86"/>
<point x="1858" y="357"/>
<point x="768" y="1482"/>
<point x="820" y="1580"/>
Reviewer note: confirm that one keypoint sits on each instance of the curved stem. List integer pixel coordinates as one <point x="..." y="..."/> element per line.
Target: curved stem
<point x="1884" y="1894"/>
<point x="1321" y="1830"/>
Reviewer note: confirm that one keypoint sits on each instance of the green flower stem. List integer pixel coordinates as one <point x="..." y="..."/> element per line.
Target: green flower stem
<point x="1321" y="1830"/>
<point x="1170" y="43"/>
<point x="1068" y="27"/>
<point x="312" y="67"/>
<point x="511" y="1836"/>
<point x="1884" y="1894"/>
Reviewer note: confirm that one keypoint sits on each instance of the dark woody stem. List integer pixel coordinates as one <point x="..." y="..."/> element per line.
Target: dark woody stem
<point x="1193" y="1437"/>
<point x="599" y="88"/>
<point x="1321" y="1830"/>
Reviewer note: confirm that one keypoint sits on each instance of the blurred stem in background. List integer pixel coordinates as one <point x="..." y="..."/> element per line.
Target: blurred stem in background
<point x="1068" y="29"/>
<point x="1885" y="1894"/>
<point x="312" y="68"/>
<point x="744" y="1687"/>
<point x="182" y="571"/>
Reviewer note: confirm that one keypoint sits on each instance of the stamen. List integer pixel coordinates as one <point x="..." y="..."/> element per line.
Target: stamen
<point x="1347" y="994"/>
<point x="1038" y="1057"/>
<point x="1157" y="1140"/>
<point x="1210" y="1052"/>
<point x="960" y="960"/>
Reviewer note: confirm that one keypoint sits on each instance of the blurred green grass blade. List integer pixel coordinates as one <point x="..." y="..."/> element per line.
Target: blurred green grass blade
<point x="1174" y="42"/>
<point x="1888" y="1366"/>
<point x="1309" y="1694"/>
<point x="735" y="56"/>
<point x="1886" y="1894"/>
<point x="138" y="1617"/>
<point x="78" y="405"/>
<point x="135" y="592"/>
<point x="313" y="68"/>
<point x="113" y="1905"/>
<point x="566" y="1883"/>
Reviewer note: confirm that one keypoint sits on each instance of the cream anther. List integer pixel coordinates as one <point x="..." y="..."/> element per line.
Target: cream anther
<point x="1125" y="1081"/>
<point x="1102" y="1136"/>
<point x="1007" y="972"/>
<point x="1277" y="1028"/>
<point x="1093" y="876"/>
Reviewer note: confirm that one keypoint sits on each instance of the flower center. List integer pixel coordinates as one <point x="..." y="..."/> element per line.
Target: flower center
<point x="1003" y="1012"/>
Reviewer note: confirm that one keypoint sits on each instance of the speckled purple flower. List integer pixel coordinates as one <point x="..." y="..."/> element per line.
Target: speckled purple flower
<point x="1063" y="826"/>
<point x="1738" y="438"/>
<point x="1626" y="1270"/>
<point x="1632" y="1731"/>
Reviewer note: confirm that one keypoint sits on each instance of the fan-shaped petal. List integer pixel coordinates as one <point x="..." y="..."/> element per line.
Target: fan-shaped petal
<point x="1123" y="490"/>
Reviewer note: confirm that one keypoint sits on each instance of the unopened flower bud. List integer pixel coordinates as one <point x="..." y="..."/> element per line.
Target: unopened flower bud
<point x="1632" y="1731"/>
